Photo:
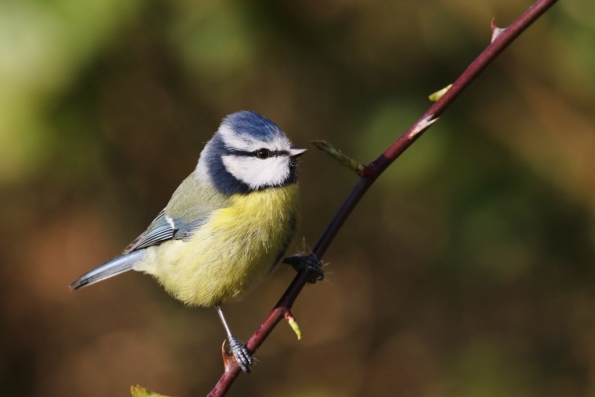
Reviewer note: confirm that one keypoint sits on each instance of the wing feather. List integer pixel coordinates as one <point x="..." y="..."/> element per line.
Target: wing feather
<point x="188" y="209"/>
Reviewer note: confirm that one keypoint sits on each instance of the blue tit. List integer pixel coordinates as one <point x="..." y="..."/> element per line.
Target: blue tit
<point x="227" y="225"/>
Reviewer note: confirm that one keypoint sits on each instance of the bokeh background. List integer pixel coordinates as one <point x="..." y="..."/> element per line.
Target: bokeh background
<point x="467" y="270"/>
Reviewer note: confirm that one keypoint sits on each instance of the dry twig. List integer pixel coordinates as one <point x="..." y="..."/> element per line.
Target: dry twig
<point x="501" y="38"/>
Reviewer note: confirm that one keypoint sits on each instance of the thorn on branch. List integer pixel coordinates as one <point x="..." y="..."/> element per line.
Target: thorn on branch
<point x="228" y="358"/>
<point x="344" y="160"/>
<point x="293" y="324"/>
<point x="439" y="94"/>
<point x="423" y="125"/>
<point x="139" y="391"/>
<point x="496" y="31"/>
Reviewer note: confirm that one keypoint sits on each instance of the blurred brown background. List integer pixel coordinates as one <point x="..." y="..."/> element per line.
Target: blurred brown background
<point x="467" y="270"/>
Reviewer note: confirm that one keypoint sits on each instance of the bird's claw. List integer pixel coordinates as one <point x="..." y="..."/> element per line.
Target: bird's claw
<point x="241" y="353"/>
<point x="307" y="263"/>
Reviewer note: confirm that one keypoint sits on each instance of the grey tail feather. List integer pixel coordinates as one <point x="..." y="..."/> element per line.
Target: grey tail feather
<point x="109" y="269"/>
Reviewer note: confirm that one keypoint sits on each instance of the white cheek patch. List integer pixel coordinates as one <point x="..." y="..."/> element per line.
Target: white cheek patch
<point x="258" y="173"/>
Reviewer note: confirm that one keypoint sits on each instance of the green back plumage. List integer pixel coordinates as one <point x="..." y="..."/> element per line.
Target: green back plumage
<point x="194" y="199"/>
<point x="190" y="206"/>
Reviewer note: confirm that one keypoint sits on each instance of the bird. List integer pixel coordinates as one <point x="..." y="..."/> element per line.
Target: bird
<point x="227" y="225"/>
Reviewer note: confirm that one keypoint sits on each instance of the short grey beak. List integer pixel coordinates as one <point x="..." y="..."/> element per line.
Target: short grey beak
<point x="296" y="151"/>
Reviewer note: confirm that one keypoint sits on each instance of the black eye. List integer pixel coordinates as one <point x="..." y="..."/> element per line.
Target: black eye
<point x="263" y="153"/>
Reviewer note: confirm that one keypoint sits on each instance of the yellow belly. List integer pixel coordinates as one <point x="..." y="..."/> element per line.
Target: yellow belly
<point x="229" y="255"/>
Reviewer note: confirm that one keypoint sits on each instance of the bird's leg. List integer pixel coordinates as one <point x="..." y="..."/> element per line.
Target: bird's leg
<point x="307" y="263"/>
<point x="238" y="349"/>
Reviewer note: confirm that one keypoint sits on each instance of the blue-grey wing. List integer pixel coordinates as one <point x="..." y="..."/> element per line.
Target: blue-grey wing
<point x="189" y="208"/>
<point x="164" y="228"/>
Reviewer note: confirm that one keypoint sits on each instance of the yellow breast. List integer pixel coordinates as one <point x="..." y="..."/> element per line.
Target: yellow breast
<point x="232" y="252"/>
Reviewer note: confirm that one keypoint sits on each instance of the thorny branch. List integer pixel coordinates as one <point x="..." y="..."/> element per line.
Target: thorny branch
<point x="501" y="38"/>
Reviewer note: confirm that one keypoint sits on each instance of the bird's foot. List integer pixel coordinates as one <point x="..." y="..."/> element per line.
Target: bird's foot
<point x="307" y="263"/>
<point x="241" y="353"/>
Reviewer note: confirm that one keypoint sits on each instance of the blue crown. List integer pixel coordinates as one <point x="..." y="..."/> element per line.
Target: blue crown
<point x="252" y="124"/>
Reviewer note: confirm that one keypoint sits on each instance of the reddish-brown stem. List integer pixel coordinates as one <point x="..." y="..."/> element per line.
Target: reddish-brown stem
<point x="377" y="167"/>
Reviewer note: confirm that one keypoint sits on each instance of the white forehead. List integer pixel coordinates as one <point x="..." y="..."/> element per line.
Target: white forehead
<point x="249" y="143"/>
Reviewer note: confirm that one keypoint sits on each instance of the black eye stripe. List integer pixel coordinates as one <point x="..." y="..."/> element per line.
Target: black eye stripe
<point x="271" y="153"/>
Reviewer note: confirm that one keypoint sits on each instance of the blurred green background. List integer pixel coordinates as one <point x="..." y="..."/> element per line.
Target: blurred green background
<point x="467" y="270"/>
